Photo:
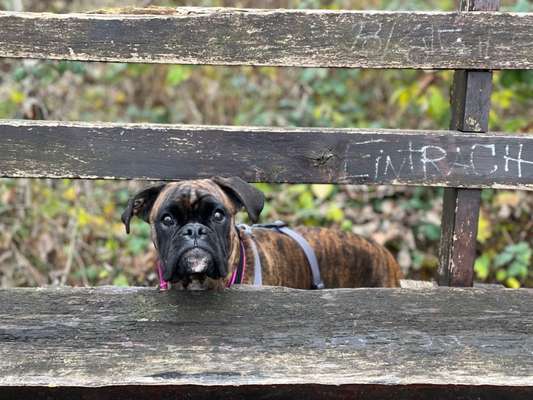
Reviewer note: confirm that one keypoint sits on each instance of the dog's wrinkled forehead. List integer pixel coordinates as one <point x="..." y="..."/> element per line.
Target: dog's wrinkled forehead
<point x="187" y="193"/>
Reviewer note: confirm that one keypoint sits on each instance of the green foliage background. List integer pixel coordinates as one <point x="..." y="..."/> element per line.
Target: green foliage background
<point x="69" y="232"/>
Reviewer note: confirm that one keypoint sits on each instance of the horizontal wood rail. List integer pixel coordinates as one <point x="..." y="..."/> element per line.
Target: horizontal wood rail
<point x="304" y="38"/>
<point x="451" y="342"/>
<point x="321" y="155"/>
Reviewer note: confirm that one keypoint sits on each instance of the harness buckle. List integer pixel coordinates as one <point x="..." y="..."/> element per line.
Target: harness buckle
<point x="271" y="225"/>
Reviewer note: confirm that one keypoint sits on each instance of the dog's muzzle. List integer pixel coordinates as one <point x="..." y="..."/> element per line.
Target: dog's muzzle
<point x="195" y="261"/>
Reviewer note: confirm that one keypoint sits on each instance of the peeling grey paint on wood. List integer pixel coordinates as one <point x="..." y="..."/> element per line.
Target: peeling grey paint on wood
<point x="310" y="38"/>
<point x="261" y="154"/>
<point x="112" y="336"/>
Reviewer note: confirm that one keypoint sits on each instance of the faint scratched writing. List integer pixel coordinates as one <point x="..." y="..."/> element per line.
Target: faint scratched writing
<point x="379" y="160"/>
<point x="419" y="40"/>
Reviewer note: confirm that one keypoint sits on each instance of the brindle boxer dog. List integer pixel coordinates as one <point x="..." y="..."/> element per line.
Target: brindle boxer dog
<point x="193" y="229"/>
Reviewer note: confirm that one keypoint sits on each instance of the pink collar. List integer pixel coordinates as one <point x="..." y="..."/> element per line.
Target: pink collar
<point x="163" y="285"/>
<point x="238" y="273"/>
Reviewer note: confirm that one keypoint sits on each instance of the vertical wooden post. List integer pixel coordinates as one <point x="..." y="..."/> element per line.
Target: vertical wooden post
<point x="470" y="102"/>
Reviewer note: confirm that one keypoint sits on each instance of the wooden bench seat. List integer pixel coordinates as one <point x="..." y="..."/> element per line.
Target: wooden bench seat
<point x="273" y="341"/>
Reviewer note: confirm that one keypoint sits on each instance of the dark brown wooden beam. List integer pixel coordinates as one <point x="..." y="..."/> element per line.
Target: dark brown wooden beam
<point x="426" y="341"/>
<point x="271" y="392"/>
<point x="170" y="152"/>
<point x="310" y="38"/>
<point x="470" y="102"/>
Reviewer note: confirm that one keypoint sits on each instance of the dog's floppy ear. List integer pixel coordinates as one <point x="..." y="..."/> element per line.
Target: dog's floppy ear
<point x="140" y="205"/>
<point x="244" y="194"/>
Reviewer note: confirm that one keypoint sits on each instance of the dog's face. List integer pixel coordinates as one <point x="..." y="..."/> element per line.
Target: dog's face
<point x="193" y="224"/>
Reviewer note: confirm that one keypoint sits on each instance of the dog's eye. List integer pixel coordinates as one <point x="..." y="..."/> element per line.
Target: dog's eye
<point x="168" y="220"/>
<point x="218" y="215"/>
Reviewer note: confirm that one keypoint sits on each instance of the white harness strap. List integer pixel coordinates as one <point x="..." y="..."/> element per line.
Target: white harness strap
<point x="281" y="227"/>
<point x="258" y="276"/>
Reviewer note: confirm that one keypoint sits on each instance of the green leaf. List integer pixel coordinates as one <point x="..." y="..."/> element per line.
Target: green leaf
<point x="305" y="200"/>
<point x="503" y="258"/>
<point x="512" y="283"/>
<point x="310" y="75"/>
<point x="402" y="97"/>
<point x="297" y="189"/>
<point x="482" y="266"/>
<point x="121" y="280"/>
<point x="430" y="231"/>
<point x="501" y="274"/>
<point x="137" y="245"/>
<point x="19" y="74"/>
<point x="525" y="256"/>
<point x="484" y="230"/>
<point x="103" y="273"/>
<point x="517" y="269"/>
<point x="347" y="225"/>
<point x="322" y="192"/>
<point x="92" y="273"/>
<point x="418" y="259"/>
<point x="112" y="245"/>
<point x="438" y="104"/>
<point x="519" y="248"/>
<point x="335" y="213"/>
<point x="266" y="188"/>
<point x="177" y="74"/>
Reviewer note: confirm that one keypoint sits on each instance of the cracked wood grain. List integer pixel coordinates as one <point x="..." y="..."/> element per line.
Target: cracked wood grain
<point x="112" y="337"/>
<point x="470" y="103"/>
<point x="307" y="38"/>
<point x="321" y="155"/>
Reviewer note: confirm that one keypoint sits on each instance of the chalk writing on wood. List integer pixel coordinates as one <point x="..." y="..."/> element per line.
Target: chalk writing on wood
<point x="379" y="160"/>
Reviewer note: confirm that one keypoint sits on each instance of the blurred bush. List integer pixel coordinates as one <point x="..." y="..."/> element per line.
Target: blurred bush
<point x="69" y="232"/>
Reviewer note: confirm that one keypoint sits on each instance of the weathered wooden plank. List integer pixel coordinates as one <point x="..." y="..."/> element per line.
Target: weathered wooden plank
<point x="459" y="236"/>
<point x="168" y="152"/>
<point x="439" y="339"/>
<point x="311" y="38"/>
<point x="470" y="101"/>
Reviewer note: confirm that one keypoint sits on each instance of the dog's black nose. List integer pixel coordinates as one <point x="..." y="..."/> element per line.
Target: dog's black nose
<point x="194" y="231"/>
